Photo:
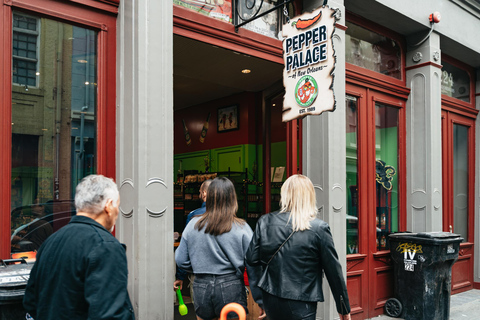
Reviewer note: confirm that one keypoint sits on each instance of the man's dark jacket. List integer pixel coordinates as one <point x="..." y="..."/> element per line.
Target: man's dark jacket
<point x="295" y="272"/>
<point x="80" y="273"/>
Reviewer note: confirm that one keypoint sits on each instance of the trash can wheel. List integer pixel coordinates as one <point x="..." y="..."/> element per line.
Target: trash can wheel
<point x="393" y="307"/>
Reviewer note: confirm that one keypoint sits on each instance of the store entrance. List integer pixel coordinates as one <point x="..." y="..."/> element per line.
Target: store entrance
<point x="375" y="168"/>
<point x="227" y="122"/>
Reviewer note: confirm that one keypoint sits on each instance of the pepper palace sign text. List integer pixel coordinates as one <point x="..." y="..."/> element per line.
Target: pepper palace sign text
<point x="309" y="64"/>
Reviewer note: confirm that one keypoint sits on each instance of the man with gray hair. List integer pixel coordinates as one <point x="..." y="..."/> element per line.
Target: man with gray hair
<point x="81" y="270"/>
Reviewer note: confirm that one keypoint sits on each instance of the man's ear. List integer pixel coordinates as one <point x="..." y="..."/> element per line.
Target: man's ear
<point x="108" y="206"/>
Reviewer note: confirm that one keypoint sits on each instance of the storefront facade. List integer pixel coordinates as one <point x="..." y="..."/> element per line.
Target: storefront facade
<point x="147" y="92"/>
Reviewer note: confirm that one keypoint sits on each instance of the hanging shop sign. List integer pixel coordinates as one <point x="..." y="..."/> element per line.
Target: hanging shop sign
<point x="309" y="59"/>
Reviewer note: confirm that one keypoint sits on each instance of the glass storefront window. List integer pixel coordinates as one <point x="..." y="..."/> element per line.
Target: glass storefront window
<point x="53" y="124"/>
<point x="352" y="174"/>
<point x="372" y="51"/>
<point x="460" y="180"/>
<point x="386" y="155"/>
<point x="455" y="82"/>
<point x="218" y="9"/>
<point x="269" y="25"/>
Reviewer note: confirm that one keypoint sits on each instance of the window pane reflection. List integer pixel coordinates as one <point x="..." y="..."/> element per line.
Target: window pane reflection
<point x="370" y="50"/>
<point x="386" y="149"/>
<point x="455" y="82"/>
<point x="352" y="174"/>
<point x="460" y="180"/>
<point x="54" y="98"/>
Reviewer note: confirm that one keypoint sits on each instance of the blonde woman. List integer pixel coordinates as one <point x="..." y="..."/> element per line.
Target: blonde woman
<point x="294" y="248"/>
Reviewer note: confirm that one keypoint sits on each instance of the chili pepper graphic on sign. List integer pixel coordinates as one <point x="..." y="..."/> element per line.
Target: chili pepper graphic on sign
<point x="306" y="91"/>
<point x="303" y="24"/>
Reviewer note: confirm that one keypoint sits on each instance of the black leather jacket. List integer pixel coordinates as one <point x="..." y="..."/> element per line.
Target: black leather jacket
<point x="296" y="271"/>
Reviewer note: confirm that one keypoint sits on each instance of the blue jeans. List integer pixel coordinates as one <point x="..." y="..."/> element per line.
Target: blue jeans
<point x="278" y="308"/>
<point x="212" y="292"/>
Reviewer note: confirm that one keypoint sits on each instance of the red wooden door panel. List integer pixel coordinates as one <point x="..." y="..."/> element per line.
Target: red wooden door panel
<point x="458" y="145"/>
<point x="375" y="138"/>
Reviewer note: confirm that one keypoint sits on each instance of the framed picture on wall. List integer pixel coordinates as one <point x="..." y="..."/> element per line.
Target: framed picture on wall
<point x="227" y="118"/>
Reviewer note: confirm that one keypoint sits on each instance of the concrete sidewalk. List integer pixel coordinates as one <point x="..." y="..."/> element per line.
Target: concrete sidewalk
<point x="465" y="305"/>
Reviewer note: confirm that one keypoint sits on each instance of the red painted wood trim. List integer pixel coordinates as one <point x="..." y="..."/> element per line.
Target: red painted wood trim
<point x="425" y="64"/>
<point x="267" y="195"/>
<point x="196" y="26"/>
<point x="458" y="106"/>
<point x="106" y="111"/>
<point x="476" y="285"/>
<point x="105" y="5"/>
<point x="71" y="13"/>
<point x="292" y="148"/>
<point x="446" y="177"/>
<point x="374" y="80"/>
<point x="289" y="148"/>
<point x="105" y="23"/>
<point x="341" y="26"/>
<point x="5" y="129"/>
<point x="300" y="146"/>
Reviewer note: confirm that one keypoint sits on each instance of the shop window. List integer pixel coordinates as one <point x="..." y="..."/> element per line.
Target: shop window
<point x="25" y="46"/>
<point x="386" y="166"/>
<point x="53" y="128"/>
<point x="268" y="25"/>
<point x="455" y="82"/>
<point x="460" y="180"/>
<point x="352" y="174"/>
<point x="218" y="9"/>
<point x="372" y="51"/>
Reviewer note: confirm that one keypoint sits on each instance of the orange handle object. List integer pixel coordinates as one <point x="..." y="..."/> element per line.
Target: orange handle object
<point x="233" y="307"/>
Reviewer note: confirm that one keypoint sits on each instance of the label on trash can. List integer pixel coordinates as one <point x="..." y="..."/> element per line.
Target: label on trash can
<point x="450" y="249"/>
<point x="409" y="251"/>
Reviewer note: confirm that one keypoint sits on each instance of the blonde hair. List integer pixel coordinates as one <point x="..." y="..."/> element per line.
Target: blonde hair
<point x="298" y="198"/>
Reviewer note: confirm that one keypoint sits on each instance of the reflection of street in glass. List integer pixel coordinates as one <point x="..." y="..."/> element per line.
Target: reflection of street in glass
<point x="31" y="235"/>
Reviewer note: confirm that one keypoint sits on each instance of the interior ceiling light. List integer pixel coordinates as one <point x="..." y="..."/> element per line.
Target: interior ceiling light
<point x="246" y="71"/>
<point x="38" y="73"/>
<point x="82" y="61"/>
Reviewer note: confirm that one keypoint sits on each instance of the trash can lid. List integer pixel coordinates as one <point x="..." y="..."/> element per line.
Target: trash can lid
<point x="437" y="235"/>
<point x="14" y="275"/>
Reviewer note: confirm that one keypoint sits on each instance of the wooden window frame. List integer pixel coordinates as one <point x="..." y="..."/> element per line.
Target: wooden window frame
<point x="97" y="15"/>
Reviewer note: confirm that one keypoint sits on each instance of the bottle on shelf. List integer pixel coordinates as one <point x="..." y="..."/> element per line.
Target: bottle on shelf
<point x="383" y="221"/>
<point x="187" y="134"/>
<point x="203" y="134"/>
<point x="383" y="242"/>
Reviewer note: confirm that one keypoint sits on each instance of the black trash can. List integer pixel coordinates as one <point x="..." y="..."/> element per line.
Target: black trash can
<point x="13" y="280"/>
<point x="423" y="272"/>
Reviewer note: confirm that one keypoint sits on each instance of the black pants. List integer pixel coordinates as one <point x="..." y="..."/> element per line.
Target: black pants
<point x="285" y="309"/>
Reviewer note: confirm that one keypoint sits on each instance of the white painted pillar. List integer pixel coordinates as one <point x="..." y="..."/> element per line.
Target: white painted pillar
<point x="424" y="136"/>
<point x="324" y="152"/>
<point x="145" y="152"/>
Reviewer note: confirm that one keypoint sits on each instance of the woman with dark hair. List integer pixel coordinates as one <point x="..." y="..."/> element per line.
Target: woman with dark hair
<point x="294" y="249"/>
<point x="213" y="247"/>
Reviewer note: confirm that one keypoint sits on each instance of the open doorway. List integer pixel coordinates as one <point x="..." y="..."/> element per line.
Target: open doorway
<point x="220" y="129"/>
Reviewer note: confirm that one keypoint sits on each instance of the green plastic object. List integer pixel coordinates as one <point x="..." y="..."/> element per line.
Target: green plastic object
<point x="182" y="308"/>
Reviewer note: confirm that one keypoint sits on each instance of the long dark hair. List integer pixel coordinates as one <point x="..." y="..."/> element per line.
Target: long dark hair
<point x="221" y="208"/>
